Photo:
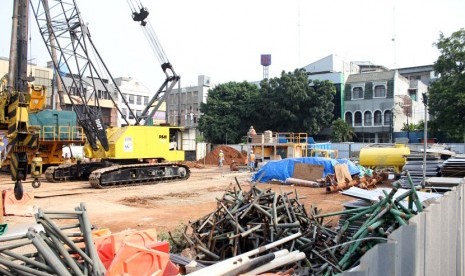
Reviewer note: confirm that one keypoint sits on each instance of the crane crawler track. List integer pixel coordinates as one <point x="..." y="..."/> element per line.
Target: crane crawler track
<point x="137" y="174"/>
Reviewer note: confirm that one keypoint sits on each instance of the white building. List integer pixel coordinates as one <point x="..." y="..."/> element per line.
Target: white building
<point x="42" y="76"/>
<point x="137" y="96"/>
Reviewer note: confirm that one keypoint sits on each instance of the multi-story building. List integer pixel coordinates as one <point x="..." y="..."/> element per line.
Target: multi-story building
<point x="378" y="104"/>
<point x="137" y="96"/>
<point x="42" y="76"/>
<point x="183" y="109"/>
<point x="106" y="104"/>
<point x="376" y="101"/>
<point x="423" y="73"/>
<point x="337" y="70"/>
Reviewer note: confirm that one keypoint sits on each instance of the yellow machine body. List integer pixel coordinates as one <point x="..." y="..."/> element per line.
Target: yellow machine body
<point x="139" y="142"/>
<point x="38" y="95"/>
<point x="379" y="155"/>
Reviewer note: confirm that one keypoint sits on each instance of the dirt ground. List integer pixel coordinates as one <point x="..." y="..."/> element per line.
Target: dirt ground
<point x="163" y="206"/>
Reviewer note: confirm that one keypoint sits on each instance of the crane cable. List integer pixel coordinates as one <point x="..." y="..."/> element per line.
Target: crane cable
<point x="149" y="32"/>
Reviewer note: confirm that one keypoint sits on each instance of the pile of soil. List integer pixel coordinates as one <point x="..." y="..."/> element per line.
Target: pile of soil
<point x="230" y="154"/>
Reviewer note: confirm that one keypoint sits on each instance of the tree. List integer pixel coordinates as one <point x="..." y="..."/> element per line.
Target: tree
<point x="229" y="112"/>
<point x="291" y="103"/>
<point x="341" y="131"/>
<point x="447" y="94"/>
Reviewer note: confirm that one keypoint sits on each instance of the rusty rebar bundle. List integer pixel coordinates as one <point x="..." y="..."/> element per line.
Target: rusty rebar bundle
<point x="245" y="220"/>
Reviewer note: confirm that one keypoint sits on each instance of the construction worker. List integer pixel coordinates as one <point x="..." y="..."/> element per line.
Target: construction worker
<point x="220" y="159"/>
<point x="251" y="161"/>
<point x="251" y="133"/>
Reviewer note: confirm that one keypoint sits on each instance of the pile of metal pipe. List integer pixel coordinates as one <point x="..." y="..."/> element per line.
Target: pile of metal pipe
<point x="245" y="220"/>
<point x="365" y="182"/>
<point x="64" y="247"/>
<point x="246" y="263"/>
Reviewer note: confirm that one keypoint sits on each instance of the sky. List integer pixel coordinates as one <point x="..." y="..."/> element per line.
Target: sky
<point x="224" y="39"/>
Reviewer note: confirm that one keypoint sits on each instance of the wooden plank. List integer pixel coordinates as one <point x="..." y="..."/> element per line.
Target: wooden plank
<point x="342" y="172"/>
<point x="308" y="171"/>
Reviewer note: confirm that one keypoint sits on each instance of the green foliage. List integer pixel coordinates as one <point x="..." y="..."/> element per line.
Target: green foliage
<point x="229" y="112"/>
<point x="341" y="131"/>
<point x="175" y="238"/>
<point x="447" y="94"/>
<point x="415" y="127"/>
<point x="285" y="104"/>
<point x="292" y="104"/>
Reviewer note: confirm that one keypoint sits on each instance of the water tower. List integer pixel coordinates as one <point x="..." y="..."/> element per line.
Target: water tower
<point x="265" y="61"/>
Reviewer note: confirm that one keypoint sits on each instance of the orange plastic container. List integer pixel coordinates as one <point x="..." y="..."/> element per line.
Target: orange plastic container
<point x="22" y="207"/>
<point x="133" y="259"/>
<point x="162" y="246"/>
<point x="108" y="246"/>
<point x="142" y="238"/>
<point x="106" y="253"/>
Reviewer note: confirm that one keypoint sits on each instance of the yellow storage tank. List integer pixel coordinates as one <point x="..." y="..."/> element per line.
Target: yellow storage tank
<point x="382" y="155"/>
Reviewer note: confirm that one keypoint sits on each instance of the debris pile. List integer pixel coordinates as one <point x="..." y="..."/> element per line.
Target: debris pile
<point x="62" y="248"/>
<point x="64" y="243"/>
<point x="454" y="167"/>
<point x="334" y="184"/>
<point x="414" y="165"/>
<point x="230" y="155"/>
<point x="246" y="220"/>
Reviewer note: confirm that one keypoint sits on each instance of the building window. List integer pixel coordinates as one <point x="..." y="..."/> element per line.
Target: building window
<point x="413" y="94"/>
<point x="139" y="100"/>
<point x="138" y="113"/>
<point x="378" y="118"/>
<point x="357" y="93"/>
<point x="124" y="112"/>
<point x="146" y="100"/>
<point x="358" y="118"/>
<point x="387" y="117"/>
<point x="102" y="94"/>
<point x="367" y="118"/>
<point x="348" y="118"/>
<point x="131" y="99"/>
<point x="380" y="91"/>
<point x="125" y="96"/>
<point x="131" y="116"/>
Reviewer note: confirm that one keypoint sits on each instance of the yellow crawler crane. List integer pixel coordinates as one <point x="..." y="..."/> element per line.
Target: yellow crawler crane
<point x="131" y="154"/>
<point x="150" y="145"/>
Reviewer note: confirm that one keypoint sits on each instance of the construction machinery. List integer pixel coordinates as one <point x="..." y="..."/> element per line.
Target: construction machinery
<point x="30" y="136"/>
<point x="391" y="156"/>
<point x="126" y="155"/>
<point x="17" y="98"/>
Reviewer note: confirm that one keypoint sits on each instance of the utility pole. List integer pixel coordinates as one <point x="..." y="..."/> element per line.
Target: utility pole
<point x="425" y="138"/>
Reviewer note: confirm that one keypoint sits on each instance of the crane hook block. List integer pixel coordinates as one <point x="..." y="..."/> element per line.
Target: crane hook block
<point x="140" y="16"/>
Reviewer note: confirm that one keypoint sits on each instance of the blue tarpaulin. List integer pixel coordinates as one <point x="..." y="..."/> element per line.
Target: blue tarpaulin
<point x="282" y="169"/>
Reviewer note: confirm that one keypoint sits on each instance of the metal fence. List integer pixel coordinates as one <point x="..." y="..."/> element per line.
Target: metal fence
<point x="433" y="243"/>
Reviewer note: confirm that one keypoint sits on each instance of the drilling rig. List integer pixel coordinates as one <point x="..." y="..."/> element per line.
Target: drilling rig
<point x="16" y="99"/>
